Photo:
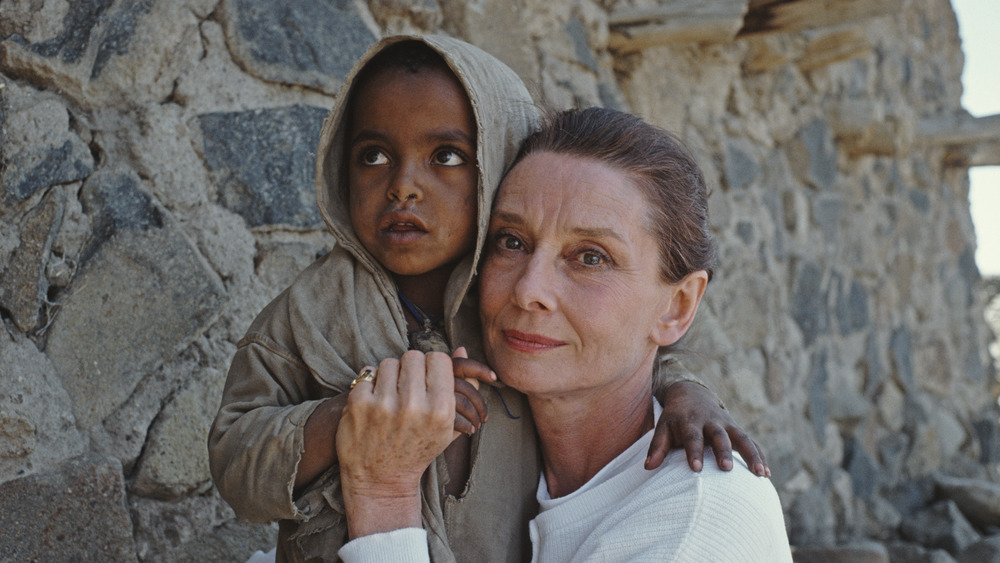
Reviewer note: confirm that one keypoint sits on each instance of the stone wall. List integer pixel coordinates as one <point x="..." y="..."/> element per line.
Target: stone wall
<point x="157" y="168"/>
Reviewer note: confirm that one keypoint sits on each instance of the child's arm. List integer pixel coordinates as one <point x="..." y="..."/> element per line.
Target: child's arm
<point x="693" y="414"/>
<point x="319" y="447"/>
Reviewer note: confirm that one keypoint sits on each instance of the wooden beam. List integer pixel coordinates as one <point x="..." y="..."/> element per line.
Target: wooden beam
<point x="680" y="21"/>
<point x="958" y="129"/>
<point x="834" y="47"/>
<point x="779" y="16"/>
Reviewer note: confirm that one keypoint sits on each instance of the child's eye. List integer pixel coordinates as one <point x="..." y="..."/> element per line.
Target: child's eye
<point x="449" y="157"/>
<point x="374" y="157"/>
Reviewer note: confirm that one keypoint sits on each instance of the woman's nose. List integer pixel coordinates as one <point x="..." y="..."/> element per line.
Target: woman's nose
<point x="406" y="184"/>
<point x="534" y="289"/>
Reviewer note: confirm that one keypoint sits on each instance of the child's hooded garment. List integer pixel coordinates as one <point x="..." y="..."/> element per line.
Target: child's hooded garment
<point x="343" y="313"/>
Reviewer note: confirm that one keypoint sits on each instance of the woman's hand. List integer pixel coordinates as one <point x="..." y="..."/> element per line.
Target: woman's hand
<point x="390" y="432"/>
<point x="693" y="415"/>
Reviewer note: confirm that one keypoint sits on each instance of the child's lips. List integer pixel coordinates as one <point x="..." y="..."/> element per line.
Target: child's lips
<point x="402" y="227"/>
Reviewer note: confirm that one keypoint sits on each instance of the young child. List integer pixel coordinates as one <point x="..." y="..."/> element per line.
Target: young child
<point x="408" y="164"/>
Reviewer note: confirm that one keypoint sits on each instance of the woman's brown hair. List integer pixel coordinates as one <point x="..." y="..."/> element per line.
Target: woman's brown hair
<point x="660" y="167"/>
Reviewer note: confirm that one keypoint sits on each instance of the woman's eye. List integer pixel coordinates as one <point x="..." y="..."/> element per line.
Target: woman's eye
<point x="508" y="242"/>
<point x="592" y="259"/>
<point x="448" y="157"/>
<point x="374" y="158"/>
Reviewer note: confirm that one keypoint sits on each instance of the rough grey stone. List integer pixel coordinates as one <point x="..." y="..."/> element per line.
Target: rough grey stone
<point x="23" y="283"/>
<point x="988" y="436"/>
<point x="874" y="369"/>
<point x="581" y="45"/>
<point x="312" y="42"/>
<point x="827" y="212"/>
<point x="141" y="294"/>
<point x="809" y="302"/>
<point x="176" y="530"/>
<point x="813" y="155"/>
<point x="744" y="230"/>
<point x="264" y="161"/>
<point x="852" y="308"/>
<point x="103" y="23"/>
<point x="986" y="550"/>
<point x="35" y="169"/>
<point x="873" y="553"/>
<point x="75" y="513"/>
<point x="861" y="467"/>
<point x="37" y="149"/>
<point x="168" y="469"/>
<point x="911" y="496"/>
<point x="901" y="354"/>
<point x="920" y="200"/>
<point x="741" y="168"/>
<point x="811" y="519"/>
<point x="37" y="429"/>
<point x="912" y="553"/>
<point x="978" y="500"/>
<point x="941" y="525"/>
<point x="231" y="542"/>
<point x="817" y="409"/>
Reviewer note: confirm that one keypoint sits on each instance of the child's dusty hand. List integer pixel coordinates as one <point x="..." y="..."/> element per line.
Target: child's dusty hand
<point x="470" y="407"/>
<point x="692" y="416"/>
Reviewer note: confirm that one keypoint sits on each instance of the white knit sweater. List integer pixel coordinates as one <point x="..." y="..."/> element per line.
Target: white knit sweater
<point x="626" y="513"/>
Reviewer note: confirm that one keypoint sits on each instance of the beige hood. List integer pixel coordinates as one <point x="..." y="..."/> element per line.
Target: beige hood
<point x="504" y="114"/>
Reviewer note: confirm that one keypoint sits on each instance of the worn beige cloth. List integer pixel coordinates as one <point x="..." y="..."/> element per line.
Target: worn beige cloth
<point x="341" y="314"/>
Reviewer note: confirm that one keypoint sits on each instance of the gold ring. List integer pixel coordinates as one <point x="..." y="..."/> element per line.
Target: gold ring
<point x="366" y="375"/>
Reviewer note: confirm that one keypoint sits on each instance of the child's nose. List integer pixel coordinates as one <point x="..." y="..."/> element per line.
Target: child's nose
<point x="406" y="184"/>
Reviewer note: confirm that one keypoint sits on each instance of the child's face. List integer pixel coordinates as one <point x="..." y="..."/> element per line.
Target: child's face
<point x="412" y="170"/>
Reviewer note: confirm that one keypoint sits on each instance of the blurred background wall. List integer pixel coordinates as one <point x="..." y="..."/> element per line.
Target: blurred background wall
<point x="157" y="192"/>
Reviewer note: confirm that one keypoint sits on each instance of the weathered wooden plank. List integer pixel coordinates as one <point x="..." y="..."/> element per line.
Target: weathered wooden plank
<point x="777" y="16"/>
<point x="958" y="129"/>
<point x="682" y="21"/>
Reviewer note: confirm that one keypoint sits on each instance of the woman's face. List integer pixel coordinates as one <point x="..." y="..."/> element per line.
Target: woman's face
<point x="570" y="293"/>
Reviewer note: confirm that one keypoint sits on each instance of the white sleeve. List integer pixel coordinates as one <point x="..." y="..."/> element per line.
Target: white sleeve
<point x="406" y="545"/>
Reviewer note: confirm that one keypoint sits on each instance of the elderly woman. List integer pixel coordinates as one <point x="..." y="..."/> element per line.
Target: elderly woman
<point x="599" y="256"/>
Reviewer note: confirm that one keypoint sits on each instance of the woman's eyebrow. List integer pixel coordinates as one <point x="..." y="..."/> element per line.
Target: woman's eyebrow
<point x="585" y="232"/>
<point x="508" y="217"/>
<point x="598" y="233"/>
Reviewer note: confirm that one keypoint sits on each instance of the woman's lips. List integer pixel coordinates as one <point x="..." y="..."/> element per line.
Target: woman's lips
<point x="527" y="342"/>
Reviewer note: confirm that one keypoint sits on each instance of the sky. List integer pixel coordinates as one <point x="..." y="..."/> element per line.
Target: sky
<point x="979" y="26"/>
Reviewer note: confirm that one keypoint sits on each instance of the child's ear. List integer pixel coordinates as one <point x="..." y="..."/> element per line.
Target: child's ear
<point x="679" y="308"/>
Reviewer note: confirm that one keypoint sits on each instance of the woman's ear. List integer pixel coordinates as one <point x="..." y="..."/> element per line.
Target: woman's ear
<point x="680" y="308"/>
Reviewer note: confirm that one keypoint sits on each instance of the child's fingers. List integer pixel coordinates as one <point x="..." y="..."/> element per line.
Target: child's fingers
<point x="661" y="444"/>
<point x="473" y="370"/>
<point x="469" y="403"/>
<point x="694" y="444"/>
<point x="721" y="446"/>
<point x="750" y="452"/>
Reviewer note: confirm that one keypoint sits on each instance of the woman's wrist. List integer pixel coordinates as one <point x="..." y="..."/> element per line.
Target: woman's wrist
<point x="380" y="507"/>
